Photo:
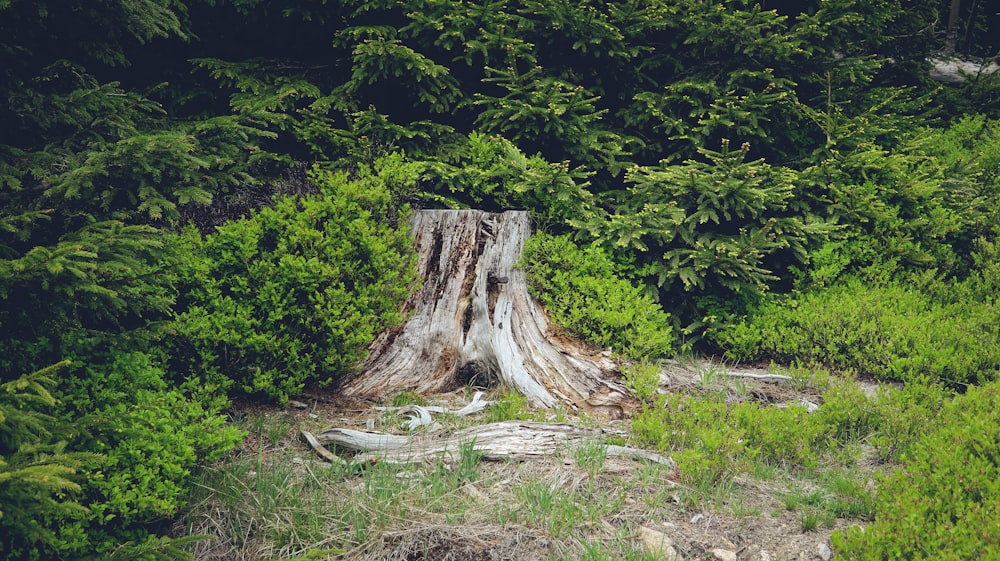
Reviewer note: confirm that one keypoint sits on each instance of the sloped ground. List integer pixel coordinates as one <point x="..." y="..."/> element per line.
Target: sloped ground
<point x="284" y="502"/>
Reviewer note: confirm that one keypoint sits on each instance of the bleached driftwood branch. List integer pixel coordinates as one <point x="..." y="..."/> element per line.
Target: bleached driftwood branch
<point x="763" y="377"/>
<point x="495" y="441"/>
<point x="420" y="415"/>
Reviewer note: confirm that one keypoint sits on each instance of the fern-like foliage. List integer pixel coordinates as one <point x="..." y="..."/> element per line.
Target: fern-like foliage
<point x="38" y="477"/>
<point x="708" y="228"/>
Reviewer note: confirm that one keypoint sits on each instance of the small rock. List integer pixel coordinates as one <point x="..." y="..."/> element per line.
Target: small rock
<point x="724" y="554"/>
<point x="658" y="544"/>
<point x="697" y="518"/>
<point x="296" y="404"/>
<point x="824" y="552"/>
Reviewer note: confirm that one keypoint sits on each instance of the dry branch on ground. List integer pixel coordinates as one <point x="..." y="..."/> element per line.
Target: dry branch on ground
<point x="494" y="441"/>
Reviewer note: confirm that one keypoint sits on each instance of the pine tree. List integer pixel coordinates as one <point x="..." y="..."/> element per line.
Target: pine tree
<point x="38" y="478"/>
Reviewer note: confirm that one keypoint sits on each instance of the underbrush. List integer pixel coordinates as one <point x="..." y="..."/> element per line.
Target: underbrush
<point x="266" y="502"/>
<point x="293" y="294"/>
<point x="716" y="436"/>
<point x="865" y="458"/>
<point x="892" y="332"/>
<point x="584" y="292"/>
<point x="944" y="503"/>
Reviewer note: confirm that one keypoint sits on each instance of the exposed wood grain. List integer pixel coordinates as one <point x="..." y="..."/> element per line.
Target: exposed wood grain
<point x="494" y="441"/>
<point x="474" y="322"/>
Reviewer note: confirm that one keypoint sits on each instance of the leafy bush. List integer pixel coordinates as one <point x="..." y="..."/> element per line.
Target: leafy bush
<point x="707" y="444"/>
<point x="781" y="436"/>
<point x="712" y="437"/>
<point x="584" y="293"/>
<point x="945" y="502"/>
<point x="293" y="294"/>
<point x="889" y="331"/>
<point x="151" y="434"/>
<point x="113" y="456"/>
<point x="848" y="414"/>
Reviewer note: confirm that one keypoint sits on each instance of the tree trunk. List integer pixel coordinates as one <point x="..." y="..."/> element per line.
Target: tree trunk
<point x="473" y="322"/>
<point x="951" y="37"/>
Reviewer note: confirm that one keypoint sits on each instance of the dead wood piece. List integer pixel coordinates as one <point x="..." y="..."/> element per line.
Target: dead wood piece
<point x="508" y="439"/>
<point x="953" y="70"/>
<point x="357" y="441"/>
<point x="638" y="454"/>
<point x="475" y="406"/>
<point x="763" y="377"/>
<point x="473" y="322"/>
<point x="320" y="449"/>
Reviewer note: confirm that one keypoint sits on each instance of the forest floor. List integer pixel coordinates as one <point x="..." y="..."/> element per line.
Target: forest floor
<point x="275" y="498"/>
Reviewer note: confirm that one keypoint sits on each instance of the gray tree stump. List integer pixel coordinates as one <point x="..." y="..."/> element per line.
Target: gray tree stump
<point x="474" y="322"/>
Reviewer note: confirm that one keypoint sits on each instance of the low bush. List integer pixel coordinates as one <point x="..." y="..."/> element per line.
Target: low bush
<point x="945" y="502"/>
<point x="293" y="294"/>
<point x="87" y="471"/>
<point x="890" y="331"/>
<point x="701" y="434"/>
<point x="583" y="292"/>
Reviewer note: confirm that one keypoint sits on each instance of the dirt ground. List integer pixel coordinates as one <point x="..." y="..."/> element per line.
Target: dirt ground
<point x="750" y="522"/>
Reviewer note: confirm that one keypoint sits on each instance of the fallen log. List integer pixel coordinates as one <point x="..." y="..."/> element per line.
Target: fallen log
<point x="494" y="441"/>
<point x="953" y="70"/>
<point x="473" y="322"/>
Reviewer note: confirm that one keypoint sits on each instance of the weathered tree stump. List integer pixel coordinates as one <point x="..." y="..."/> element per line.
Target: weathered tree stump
<point x="473" y="322"/>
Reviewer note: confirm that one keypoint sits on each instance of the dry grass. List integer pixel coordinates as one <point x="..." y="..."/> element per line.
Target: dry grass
<point x="274" y="499"/>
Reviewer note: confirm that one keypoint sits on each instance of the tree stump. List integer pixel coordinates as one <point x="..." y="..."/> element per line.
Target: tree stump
<point x="474" y="322"/>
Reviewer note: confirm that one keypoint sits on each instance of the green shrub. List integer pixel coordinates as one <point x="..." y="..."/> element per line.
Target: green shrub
<point x="904" y="415"/>
<point x="293" y="294"/>
<point x="584" y="293"/>
<point x="643" y="378"/>
<point x="512" y="406"/>
<point x="109" y="459"/>
<point x="489" y="171"/>
<point x="848" y="414"/>
<point x="890" y="331"/>
<point x="704" y="439"/>
<point x="712" y="438"/>
<point x="718" y="228"/>
<point x="150" y="437"/>
<point x="780" y="436"/>
<point x="967" y="154"/>
<point x="945" y="502"/>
